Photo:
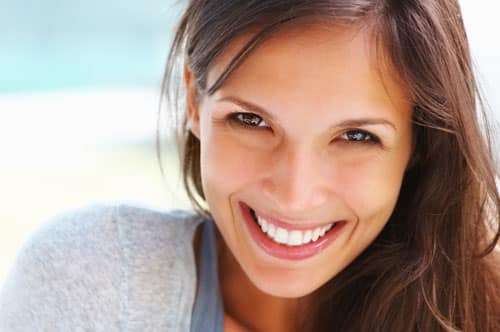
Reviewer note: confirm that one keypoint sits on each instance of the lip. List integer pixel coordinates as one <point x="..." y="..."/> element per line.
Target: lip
<point x="288" y="252"/>
<point x="286" y="225"/>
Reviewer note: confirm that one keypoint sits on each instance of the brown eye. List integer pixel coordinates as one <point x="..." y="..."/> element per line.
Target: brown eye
<point x="248" y="119"/>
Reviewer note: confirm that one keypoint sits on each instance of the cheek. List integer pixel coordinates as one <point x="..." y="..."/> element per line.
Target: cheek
<point x="371" y="187"/>
<point x="226" y="165"/>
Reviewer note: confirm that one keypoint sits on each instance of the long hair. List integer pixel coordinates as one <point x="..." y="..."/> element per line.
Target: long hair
<point x="434" y="266"/>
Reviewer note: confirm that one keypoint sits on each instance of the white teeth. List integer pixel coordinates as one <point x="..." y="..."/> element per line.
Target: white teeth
<point x="264" y="225"/>
<point x="281" y="235"/>
<point x="315" y="234"/>
<point x="271" y="231"/>
<point x="307" y="236"/>
<point x="293" y="237"/>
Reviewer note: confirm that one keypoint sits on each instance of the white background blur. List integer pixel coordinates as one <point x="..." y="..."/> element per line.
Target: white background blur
<point x="79" y="92"/>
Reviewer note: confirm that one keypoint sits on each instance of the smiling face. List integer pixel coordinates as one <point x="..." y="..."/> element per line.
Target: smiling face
<point x="309" y="139"/>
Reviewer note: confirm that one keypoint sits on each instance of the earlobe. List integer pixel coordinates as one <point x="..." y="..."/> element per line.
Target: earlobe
<point x="193" y="117"/>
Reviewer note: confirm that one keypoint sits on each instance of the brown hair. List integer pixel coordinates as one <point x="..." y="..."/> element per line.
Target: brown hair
<point x="432" y="267"/>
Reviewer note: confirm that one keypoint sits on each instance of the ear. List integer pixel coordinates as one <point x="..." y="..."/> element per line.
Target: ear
<point x="193" y="116"/>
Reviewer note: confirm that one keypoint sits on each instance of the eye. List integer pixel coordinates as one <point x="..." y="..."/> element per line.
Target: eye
<point x="357" y="135"/>
<point x="247" y="119"/>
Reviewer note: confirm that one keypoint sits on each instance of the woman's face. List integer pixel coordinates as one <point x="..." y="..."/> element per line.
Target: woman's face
<point x="309" y="139"/>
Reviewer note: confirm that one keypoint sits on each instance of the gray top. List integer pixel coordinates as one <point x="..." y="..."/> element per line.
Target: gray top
<point x="104" y="268"/>
<point x="208" y="312"/>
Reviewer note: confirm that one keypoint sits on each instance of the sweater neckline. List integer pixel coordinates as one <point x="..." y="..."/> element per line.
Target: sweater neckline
<point x="208" y="310"/>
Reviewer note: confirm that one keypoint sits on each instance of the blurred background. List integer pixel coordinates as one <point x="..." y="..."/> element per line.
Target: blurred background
<point x="79" y="93"/>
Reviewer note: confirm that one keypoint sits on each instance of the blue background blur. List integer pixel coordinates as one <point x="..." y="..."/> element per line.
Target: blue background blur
<point x="79" y="92"/>
<point x="54" y="44"/>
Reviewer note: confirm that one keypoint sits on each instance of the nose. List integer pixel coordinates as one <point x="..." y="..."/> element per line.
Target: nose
<point x="299" y="180"/>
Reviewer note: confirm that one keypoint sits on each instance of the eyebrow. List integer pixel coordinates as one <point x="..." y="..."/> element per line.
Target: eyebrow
<point x="360" y="122"/>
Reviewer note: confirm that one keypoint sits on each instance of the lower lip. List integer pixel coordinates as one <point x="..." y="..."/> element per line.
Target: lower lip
<point x="288" y="252"/>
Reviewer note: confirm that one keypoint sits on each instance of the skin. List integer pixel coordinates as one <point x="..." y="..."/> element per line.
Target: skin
<point x="299" y="165"/>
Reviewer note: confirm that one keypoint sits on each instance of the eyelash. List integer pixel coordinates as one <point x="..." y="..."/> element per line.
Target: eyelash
<point x="235" y="118"/>
<point x="367" y="137"/>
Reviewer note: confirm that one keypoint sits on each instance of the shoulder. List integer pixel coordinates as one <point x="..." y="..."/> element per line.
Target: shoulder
<point x="100" y="264"/>
<point x="135" y="224"/>
<point x="107" y="232"/>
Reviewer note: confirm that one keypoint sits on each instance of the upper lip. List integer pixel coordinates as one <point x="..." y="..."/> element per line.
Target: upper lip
<point x="290" y="222"/>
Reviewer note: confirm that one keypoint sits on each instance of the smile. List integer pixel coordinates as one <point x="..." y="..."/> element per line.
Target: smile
<point x="290" y="237"/>
<point x="288" y="240"/>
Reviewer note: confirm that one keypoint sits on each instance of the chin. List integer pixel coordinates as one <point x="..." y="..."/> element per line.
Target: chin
<point x="285" y="284"/>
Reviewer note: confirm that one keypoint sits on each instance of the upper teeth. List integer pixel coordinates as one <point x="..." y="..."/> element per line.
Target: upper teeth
<point x="291" y="237"/>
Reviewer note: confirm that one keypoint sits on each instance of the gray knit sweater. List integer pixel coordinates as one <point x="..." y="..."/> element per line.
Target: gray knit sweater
<point x="104" y="268"/>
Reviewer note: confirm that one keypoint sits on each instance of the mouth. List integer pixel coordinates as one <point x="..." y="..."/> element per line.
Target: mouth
<point x="289" y="236"/>
<point x="286" y="240"/>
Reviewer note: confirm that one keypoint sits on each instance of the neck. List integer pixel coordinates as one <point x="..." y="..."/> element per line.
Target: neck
<point x="248" y="306"/>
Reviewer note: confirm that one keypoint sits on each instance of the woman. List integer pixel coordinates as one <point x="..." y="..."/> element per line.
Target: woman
<point x="336" y="147"/>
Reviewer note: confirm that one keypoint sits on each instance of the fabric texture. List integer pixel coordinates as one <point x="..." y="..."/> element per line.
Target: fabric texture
<point x="208" y="311"/>
<point x="104" y="268"/>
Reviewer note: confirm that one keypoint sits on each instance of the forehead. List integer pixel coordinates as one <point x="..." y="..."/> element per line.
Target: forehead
<point x="324" y="63"/>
